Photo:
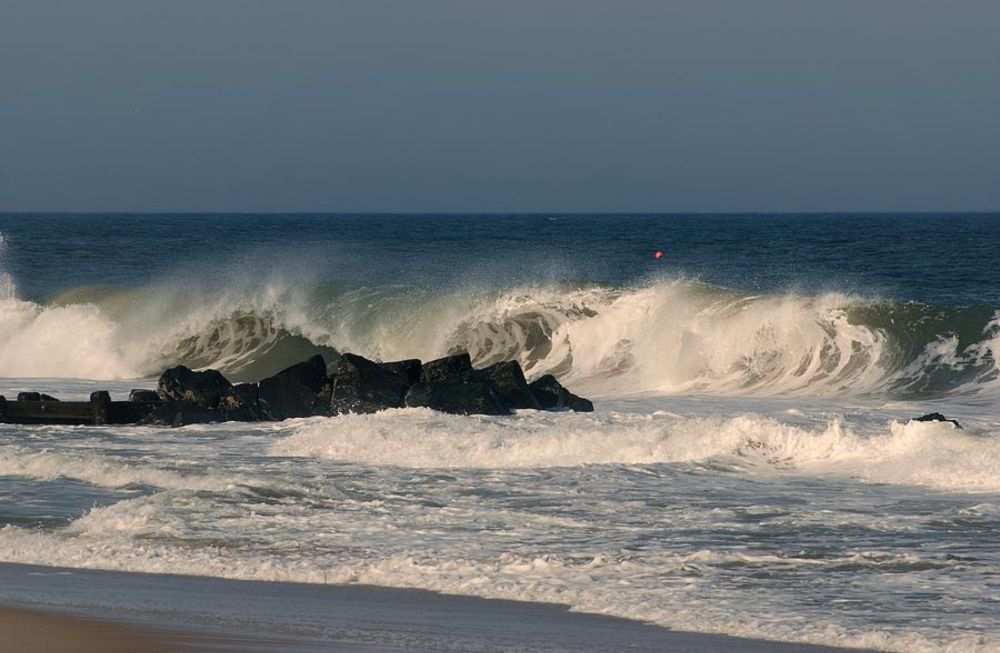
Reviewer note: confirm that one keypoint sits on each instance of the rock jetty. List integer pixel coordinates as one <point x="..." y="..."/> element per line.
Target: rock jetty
<point x="357" y="385"/>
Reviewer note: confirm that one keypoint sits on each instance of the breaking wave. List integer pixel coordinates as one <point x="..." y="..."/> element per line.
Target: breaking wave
<point x="931" y="454"/>
<point x="673" y="336"/>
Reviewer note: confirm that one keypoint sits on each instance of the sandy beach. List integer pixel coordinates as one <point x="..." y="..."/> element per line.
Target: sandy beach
<point x="52" y="609"/>
<point x="35" y="631"/>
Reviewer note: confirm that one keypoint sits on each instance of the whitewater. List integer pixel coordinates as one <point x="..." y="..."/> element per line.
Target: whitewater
<point x="750" y="468"/>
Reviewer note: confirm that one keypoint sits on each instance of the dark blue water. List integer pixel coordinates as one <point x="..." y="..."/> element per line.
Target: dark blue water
<point x="941" y="259"/>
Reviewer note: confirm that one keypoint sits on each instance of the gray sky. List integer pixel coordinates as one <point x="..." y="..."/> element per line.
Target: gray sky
<point x="619" y="105"/>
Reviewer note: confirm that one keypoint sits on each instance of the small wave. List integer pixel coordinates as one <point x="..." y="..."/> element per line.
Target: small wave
<point x="101" y="471"/>
<point x="932" y="454"/>
<point x="140" y="535"/>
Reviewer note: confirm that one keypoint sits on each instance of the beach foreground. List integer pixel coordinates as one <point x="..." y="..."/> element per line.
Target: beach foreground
<point x="54" y="609"/>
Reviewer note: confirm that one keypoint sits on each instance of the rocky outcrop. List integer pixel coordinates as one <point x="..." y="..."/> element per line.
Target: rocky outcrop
<point x="469" y="397"/>
<point x="292" y="392"/>
<point x="508" y="380"/>
<point x="935" y="417"/>
<point x="202" y="389"/>
<point x="144" y="396"/>
<point x="242" y="404"/>
<point x="181" y="413"/>
<point x="34" y="396"/>
<point x="358" y="385"/>
<point x="450" y="369"/>
<point x="452" y="385"/>
<point x="363" y="386"/>
<point x="551" y="395"/>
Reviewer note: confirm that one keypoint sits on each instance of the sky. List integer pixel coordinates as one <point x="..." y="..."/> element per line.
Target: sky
<point x="505" y="106"/>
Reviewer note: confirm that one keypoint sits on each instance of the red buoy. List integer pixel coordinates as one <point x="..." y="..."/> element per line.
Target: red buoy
<point x="658" y="255"/>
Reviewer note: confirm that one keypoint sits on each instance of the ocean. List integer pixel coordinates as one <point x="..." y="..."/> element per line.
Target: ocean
<point x="749" y="468"/>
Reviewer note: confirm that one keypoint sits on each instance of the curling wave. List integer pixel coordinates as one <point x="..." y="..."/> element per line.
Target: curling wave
<point x="672" y="336"/>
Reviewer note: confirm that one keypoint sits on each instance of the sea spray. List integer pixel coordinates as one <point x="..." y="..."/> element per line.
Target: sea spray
<point x="667" y="336"/>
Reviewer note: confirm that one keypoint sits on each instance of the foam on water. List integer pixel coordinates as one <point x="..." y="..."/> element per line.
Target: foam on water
<point x="934" y="454"/>
<point x="100" y="470"/>
<point x="666" y="337"/>
<point x="749" y="469"/>
<point x="155" y="534"/>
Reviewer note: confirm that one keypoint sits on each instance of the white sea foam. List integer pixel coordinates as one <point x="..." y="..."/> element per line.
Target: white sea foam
<point x="667" y="337"/>
<point x="130" y="537"/>
<point x="933" y="454"/>
<point x="101" y="470"/>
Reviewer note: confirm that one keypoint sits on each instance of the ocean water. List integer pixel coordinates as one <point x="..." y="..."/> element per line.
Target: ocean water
<point x="749" y="468"/>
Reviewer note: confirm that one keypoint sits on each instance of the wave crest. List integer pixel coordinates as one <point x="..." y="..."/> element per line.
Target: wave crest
<point x="665" y="337"/>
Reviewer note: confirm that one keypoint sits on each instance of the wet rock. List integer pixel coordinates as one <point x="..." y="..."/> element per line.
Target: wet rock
<point x="144" y="396"/>
<point x="935" y="417"/>
<point x="450" y="385"/>
<point x="100" y="407"/>
<point x="450" y="369"/>
<point x="292" y="392"/>
<point x="409" y="369"/>
<point x="466" y="397"/>
<point x="180" y="413"/>
<point x="364" y="386"/>
<point x="550" y="395"/>
<point x="34" y="396"/>
<point x="509" y="382"/>
<point x="241" y="404"/>
<point x="202" y="389"/>
<point x="247" y="393"/>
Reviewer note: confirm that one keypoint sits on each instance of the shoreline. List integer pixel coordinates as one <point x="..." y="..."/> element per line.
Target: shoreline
<point x="69" y="609"/>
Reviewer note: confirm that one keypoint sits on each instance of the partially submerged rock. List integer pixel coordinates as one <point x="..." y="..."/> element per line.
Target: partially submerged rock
<point x="202" y="389"/>
<point x="34" y="396"/>
<point x="470" y="397"/>
<point x="242" y="404"/>
<point x="508" y="380"/>
<point x="363" y="386"/>
<point x="181" y="413"/>
<point x="358" y="385"/>
<point x="551" y="395"/>
<point x="450" y="369"/>
<point x="935" y="417"/>
<point x="100" y="407"/>
<point x="292" y="392"/>
<point x="144" y="396"/>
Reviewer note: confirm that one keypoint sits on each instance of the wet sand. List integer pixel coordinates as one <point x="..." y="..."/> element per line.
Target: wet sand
<point x="21" y="630"/>
<point x="51" y="609"/>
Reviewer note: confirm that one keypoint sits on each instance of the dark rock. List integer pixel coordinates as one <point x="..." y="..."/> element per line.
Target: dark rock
<point x="144" y="396"/>
<point x="34" y="396"/>
<point x="409" y="369"/>
<point x="131" y="412"/>
<point x="510" y="384"/>
<point x="180" y="413"/>
<point x="100" y="407"/>
<point x="202" y="389"/>
<point x="450" y="369"/>
<point x="550" y="394"/>
<point x="292" y="392"/>
<point x="935" y="417"/>
<point x="363" y="386"/>
<point x="247" y="393"/>
<point x="468" y="397"/>
<point x="241" y="404"/>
